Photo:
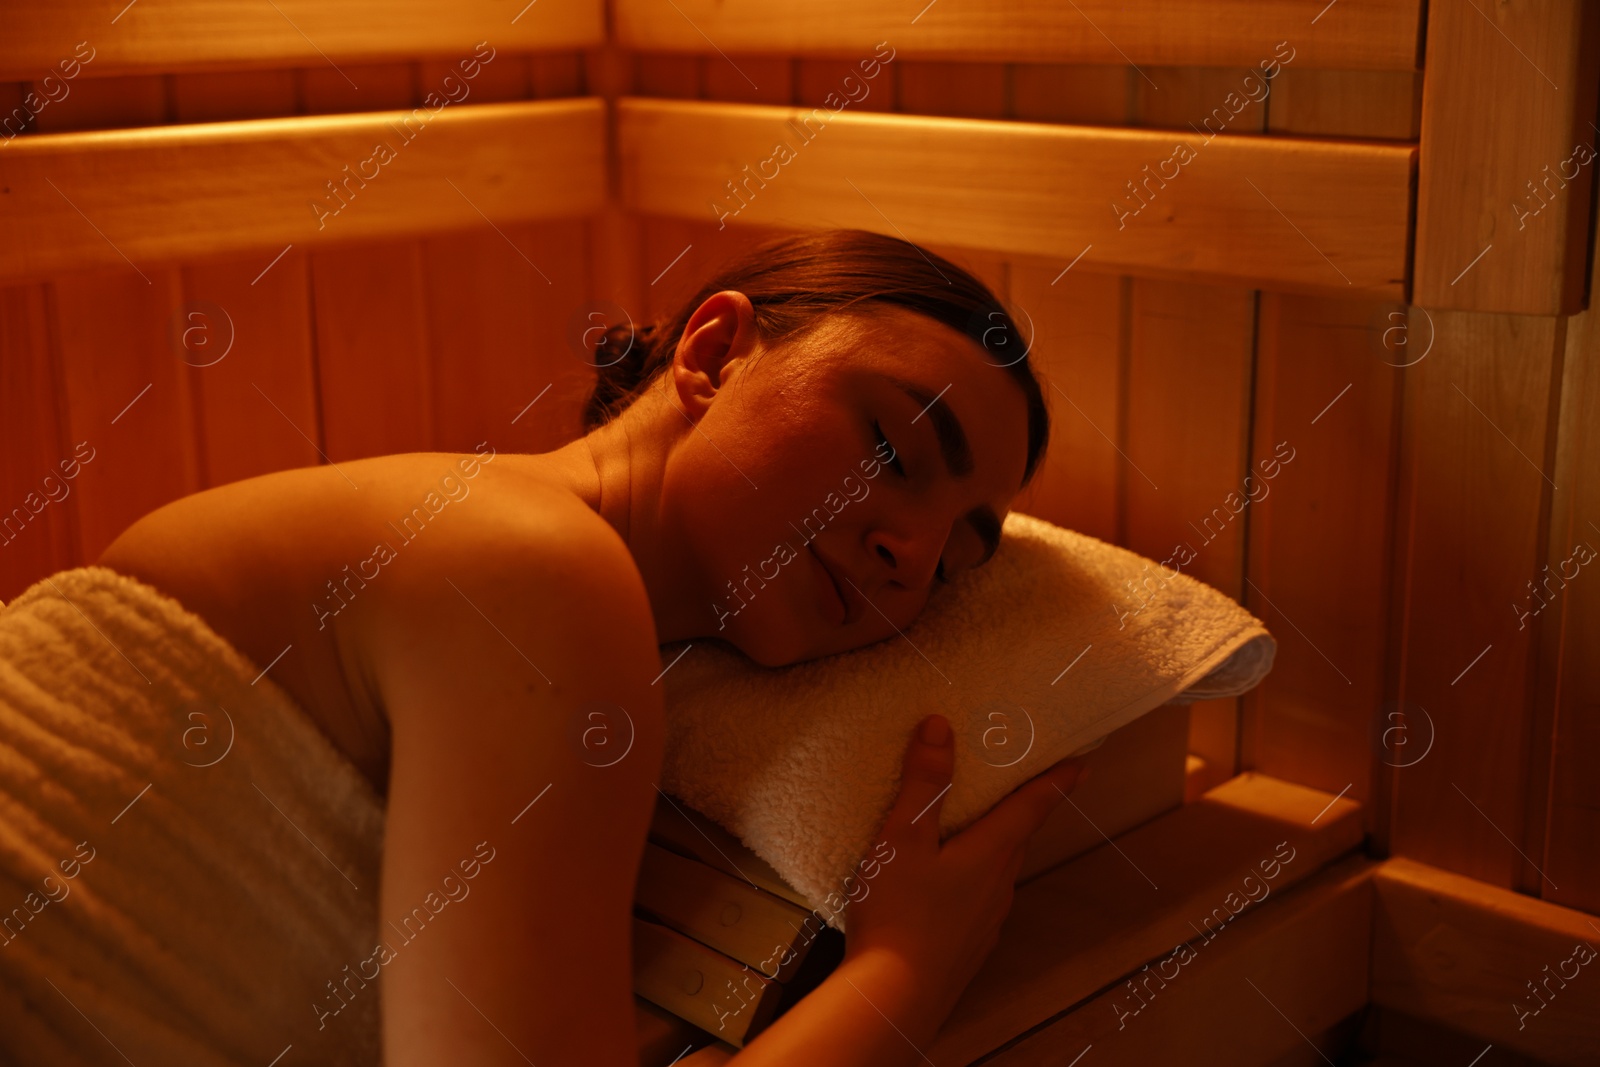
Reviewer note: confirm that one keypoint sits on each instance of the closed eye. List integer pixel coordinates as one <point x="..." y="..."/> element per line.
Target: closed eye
<point x="899" y="468"/>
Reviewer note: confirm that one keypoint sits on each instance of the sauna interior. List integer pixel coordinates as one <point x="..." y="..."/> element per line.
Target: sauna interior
<point x="241" y="238"/>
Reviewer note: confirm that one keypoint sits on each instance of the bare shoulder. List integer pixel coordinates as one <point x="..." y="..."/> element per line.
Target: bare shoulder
<point x="517" y="654"/>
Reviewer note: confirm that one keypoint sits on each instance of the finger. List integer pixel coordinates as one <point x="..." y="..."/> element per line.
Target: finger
<point x="924" y="780"/>
<point x="1009" y="824"/>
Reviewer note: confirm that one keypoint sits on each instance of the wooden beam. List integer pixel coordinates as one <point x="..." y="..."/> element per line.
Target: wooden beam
<point x="127" y="198"/>
<point x="1360" y="35"/>
<point x="1518" y="972"/>
<point x="1249" y="998"/>
<point x="185" y="35"/>
<point x="1144" y="894"/>
<point x="1508" y="156"/>
<point x="1283" y="213"/>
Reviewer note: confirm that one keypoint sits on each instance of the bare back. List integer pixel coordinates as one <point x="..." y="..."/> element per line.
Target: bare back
<point x="291" y="567"/>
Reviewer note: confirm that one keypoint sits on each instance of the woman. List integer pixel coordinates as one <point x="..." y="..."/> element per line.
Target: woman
<point x="453" y="677"/>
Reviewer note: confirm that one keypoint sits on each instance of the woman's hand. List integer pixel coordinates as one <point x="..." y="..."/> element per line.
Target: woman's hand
<point x="938" y="909"/>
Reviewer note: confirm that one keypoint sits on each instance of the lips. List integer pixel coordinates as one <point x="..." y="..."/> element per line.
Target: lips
<point x="852" y="606"/>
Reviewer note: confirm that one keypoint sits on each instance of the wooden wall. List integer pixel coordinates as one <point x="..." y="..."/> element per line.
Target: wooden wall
<point x="1438" y="414"/>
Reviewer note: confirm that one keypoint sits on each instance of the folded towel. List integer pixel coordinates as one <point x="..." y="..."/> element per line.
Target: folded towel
<point x="1060" y="639"/>
<point x="188" y="867"/>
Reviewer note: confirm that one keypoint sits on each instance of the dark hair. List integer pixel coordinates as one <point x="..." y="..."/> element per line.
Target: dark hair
<point x="793" y="281"/>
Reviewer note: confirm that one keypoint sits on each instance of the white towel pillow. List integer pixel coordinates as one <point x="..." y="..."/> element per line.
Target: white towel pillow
<point x="1060" y="639"/>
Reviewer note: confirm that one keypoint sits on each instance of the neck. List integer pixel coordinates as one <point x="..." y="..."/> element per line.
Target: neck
<point x="618" y="471"/>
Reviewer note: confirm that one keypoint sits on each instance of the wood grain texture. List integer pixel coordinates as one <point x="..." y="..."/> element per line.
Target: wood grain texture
<point x="1320" y="534"/>
<point x="1567" y="618"/>
<point x="39" y="473"/>
<point x="192" y="191"/>
<point x="1288" y="213"/>
<point x="1368" y="34"/>
<point x="1479" y="420"/>
<point x="714" y="992"/>
<point x="246" y="339"/>
<point x="129" y="394"/>
<point x="191" y="35"/>
<point x="1187" y="441"/>
<point x="1078" y="350"/>
<point x="1294" y="966"/>
<point x="1517" y="77"/>
<point x="1346" y="103"/>
<point x="1502" y="966"/>
<point x="1170" y="873"/>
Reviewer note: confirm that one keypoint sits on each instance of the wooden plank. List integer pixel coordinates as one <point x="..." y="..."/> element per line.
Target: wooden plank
<point x="931" y="87"/>
<point x="1326" y="395"/>
<point x="1081" y="95"/>
<point x="1499" y="965"/>
<point x="863" y="84"/>
<point x="216" y="188"/>
<point x="1205" y="100"/>
<point x="245" y="338"/>
<point x="1504" y="229"/>
<point x="677" y="826"/>
<point x="374" y="375"/>
<point x="499" y="304"/>
<point x="1143" y="895"/>
<point x="1566" y="728"/>
<point x="88" y="103"/>
<point x="1479" y="416"/>
<point x="695" y="983"/>
<point x="220" y="95"/>
<point x="1136" y="775"/>
<point x="187" y="35"/>
<point x="749" y="79"/>
<point x="1346" y="103"/>
<point x="1187" y="437"/>
<point x="1247" y="998"/>
<point x="1077" y="348"/>
<point x="39" y="467"/>
<point x="1375" y="34"/>
<point x="1250" y="210"/>
<point x="128" y="394"/>
<point x="724" y="913"/>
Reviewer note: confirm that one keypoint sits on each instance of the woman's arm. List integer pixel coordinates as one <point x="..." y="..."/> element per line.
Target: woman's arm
<point x="515" y="665"/>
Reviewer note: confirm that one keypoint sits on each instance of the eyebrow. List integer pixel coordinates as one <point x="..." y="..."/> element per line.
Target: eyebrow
<point x="956" y="452"/>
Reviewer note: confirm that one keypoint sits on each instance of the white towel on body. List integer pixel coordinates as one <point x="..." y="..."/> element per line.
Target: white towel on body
<point x="187" y="865"/>
<point x="1060" y="639"/>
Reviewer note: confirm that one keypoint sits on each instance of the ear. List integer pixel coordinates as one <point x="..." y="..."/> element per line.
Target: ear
<point x="718" y="337"/>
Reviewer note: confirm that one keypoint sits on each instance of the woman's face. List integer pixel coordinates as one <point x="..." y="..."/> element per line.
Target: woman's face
<point x="829" y="462"/>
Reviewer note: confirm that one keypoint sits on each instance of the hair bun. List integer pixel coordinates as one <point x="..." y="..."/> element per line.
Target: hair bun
<point x="624" y="358"/>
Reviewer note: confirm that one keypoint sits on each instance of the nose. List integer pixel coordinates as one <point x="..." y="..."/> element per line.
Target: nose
<point x="911" y="552"/>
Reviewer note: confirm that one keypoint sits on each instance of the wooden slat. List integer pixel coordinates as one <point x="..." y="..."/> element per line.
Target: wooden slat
<point x="1346" y="103"/>
<point x="89" y="200"/>
<point x="247" y="343"/>
<point x="1247" y="997"/>
<point x="1326" y="394"/>
<point x="1368" y="34"/>
<point x="677" y="826"/>
<point x="724" y="913"/>
<point x="1057" y="92"/>
<point x="930" y="87"/>
<point x="1252" y="210"/>
<point x="1135" y="776"/>
<point x="1567" y="729"/>
<point x="372" y="351"/>
<point x="1188" y="438"/>
<point x="128" y="394"/>
<point x="695" y="983"/>
<point x="1077" y="349"/>
<point x="1475" y="490"/>
<point x="864" y="84"/>
<point x="1087" y="923"/>
<point x="1507" y="101"/>
<point x="1467" y="955"/>
<point x="184" y="35"/>
<point x="86" y="103"/>
<point x="38" y="499"/>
